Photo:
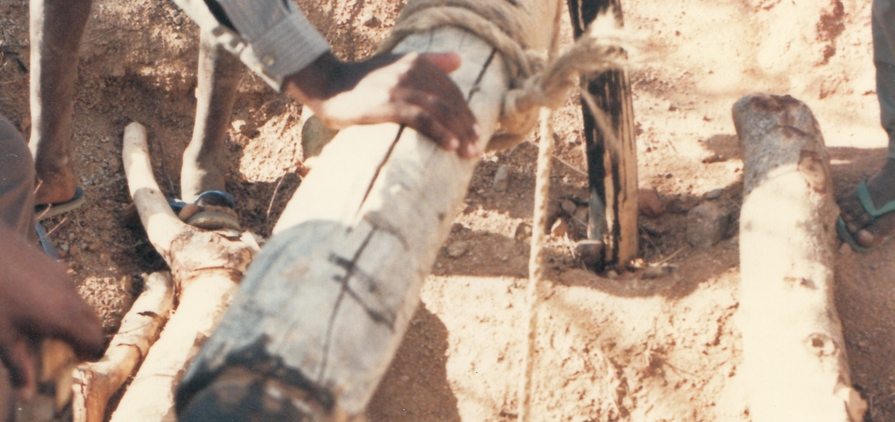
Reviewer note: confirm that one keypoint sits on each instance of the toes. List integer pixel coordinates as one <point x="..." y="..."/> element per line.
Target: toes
<point x="877" y="232"/>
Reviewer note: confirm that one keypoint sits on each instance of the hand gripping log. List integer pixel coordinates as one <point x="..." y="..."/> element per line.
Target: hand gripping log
<point x="326" y="303"/>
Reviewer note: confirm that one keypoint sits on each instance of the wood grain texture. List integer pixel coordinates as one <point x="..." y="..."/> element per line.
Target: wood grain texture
<point x="206" y="267"/>
<point x="794" y="362"/>
<point x="611" y="161"/>
<point x="326" y="303"/>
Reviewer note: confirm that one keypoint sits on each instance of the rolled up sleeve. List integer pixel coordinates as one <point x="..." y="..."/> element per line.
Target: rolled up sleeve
<point x="272" y="37"/>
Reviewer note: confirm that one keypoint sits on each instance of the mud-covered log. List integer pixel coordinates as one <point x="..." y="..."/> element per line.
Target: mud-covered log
<point x="794" y="362"/>
<point x="207" y="268"/>
<point x="96" y="382"/>
<point x="326" y="303"/>
<point x="611" y="160"/>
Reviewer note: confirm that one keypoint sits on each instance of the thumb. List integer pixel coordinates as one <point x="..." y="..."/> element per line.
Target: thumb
<point x="447" y="62"/>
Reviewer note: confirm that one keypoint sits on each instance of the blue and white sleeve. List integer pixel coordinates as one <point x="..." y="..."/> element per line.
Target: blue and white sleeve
<point x="272" y="37"/>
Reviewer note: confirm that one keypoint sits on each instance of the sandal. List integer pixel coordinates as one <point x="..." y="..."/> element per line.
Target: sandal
<point x="870" y="209"/>
<point x="207" y="219"/>
<point x="45" y="211"/>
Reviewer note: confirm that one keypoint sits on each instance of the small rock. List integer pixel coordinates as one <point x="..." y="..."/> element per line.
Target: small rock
<point x="649" y="202"/>
<point x="714" y="194"/>
<point x="568" y="206"/>
<point x="845" y="249"/>
<point x="611" y="274"/>
<point x="523" y="231"/>
<point x="457" y="249"/>
<point x="590" y="252"/>
<point x="707" y="224"/>
<point x="373" y="22"/>
<point x="559" y="228"/>
<point x="114" y="165"/>
<point x="238" y="125"/>
<point x="501" y="178"/>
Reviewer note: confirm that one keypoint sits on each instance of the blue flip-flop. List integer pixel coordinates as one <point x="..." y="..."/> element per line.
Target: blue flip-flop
<point x="45" y="242"/>
<point x="210" y="220"/>
<point x="45" y="211"/>
<point x="872" y="211"/>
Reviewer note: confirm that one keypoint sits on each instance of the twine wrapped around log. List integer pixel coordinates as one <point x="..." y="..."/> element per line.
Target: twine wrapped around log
<point x="535" y="82"/>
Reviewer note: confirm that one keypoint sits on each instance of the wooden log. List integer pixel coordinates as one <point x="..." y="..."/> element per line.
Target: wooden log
<point x="794" y="361"/>
<point x="325" y="305"/>
<point x="611" y="160"/>
<point x="206" y="266"/>
<point x="96" y="382"/>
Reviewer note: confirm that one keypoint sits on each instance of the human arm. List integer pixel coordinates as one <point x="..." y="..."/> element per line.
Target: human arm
<point x="38" y="300"/>
<point x="275" y="40"/>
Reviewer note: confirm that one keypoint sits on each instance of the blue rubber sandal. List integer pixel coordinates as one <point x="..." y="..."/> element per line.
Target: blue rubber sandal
<point x="870" y="209"/>
<point x="45" y="211"/>
<point x="210" y="220"/>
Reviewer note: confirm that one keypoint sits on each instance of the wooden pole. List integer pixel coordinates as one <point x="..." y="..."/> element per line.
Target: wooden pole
<point x="794" y="361"/>
<point x="326" y="303"/>
<point x="207" y="267"/>
<point x="96" y="382"/>
<point x="611" y="160"/>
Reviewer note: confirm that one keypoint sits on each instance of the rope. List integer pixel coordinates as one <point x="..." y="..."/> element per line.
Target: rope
<point x="538" y="85"/>
<point x="536" y="261"/>
<point x="535" y="82"/>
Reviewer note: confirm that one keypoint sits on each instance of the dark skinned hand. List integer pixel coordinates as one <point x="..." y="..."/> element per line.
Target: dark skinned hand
<point x="38" y="300"/>
<point x="411" y="89"/>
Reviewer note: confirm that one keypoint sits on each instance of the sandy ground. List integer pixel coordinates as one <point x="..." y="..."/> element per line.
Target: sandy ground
<point x="626" y="349"/>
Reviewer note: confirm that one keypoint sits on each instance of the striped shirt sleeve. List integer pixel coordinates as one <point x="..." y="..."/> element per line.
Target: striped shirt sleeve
<point x="272" y="37"/>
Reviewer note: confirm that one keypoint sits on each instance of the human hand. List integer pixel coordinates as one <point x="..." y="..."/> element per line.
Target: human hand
<point x="411" y="89"/>
<point x="38" y="300"/>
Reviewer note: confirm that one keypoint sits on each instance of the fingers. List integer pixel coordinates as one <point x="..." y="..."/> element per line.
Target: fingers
<point x="436" y="118"/>
<point x="447" y="62"/>
<point x="438" y="96"/>
<point x="18" y="361"/>
<point x="81" y="328"/>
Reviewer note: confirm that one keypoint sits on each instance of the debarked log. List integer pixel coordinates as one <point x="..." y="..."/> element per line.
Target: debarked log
<point x="325" y="305"/>
<point x="96" y="382"/>
<point x="794" y="362"/>
<point x="207" y="267"/>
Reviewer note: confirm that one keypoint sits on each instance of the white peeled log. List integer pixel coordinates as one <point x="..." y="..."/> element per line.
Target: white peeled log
<point x="794" y="362"/>
<point x="96" y="382"/>
<point x="207" y="268"/>
<point x="325" y="306"/>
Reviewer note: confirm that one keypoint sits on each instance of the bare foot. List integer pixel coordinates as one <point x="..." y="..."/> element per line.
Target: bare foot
<point x="864" y="228"/>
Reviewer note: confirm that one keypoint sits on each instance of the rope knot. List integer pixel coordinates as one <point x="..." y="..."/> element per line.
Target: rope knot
<point x="535" y="80"/>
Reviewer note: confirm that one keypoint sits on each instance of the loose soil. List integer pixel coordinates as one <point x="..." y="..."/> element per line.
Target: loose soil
<point x="609" y="349"/>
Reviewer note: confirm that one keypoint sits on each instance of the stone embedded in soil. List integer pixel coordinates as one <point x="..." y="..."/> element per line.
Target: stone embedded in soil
<point x="457" y="249"/>
<point x="707" y="224"/>
<point x="568" y="206"/>
<point x="114" y="165"/>
<point x="590" y="252"/>
<point x="559" y="228"/>
<point x="501" y="178"/>
<point x="714" y="193"/>
<point x="649" y="202"/>
<point x="523" y="231"/>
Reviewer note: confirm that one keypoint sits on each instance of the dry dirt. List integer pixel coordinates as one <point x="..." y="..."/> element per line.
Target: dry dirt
<point x="624" y="349"/>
